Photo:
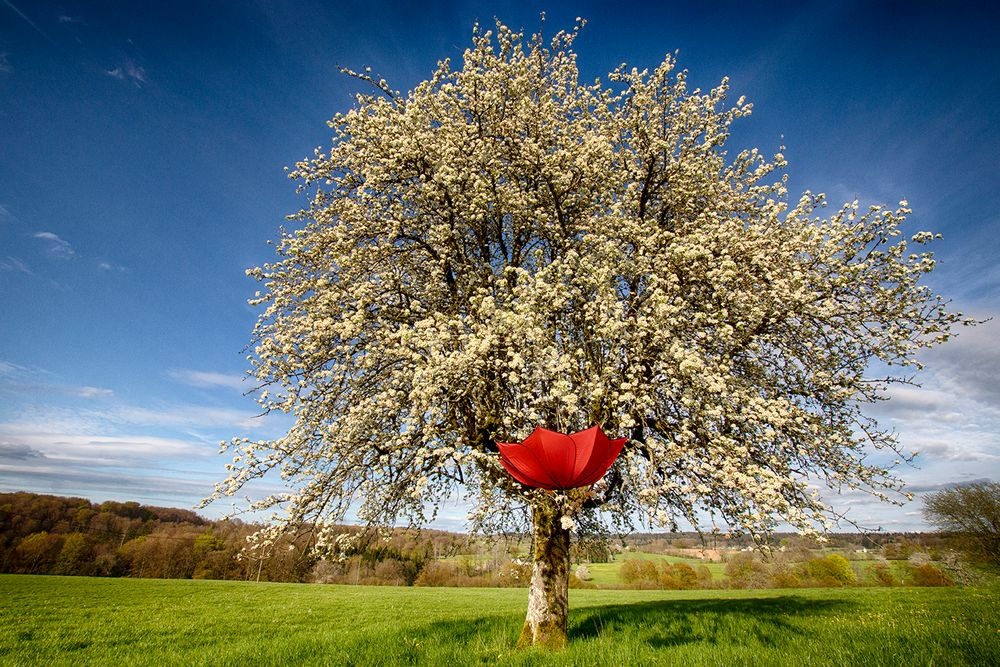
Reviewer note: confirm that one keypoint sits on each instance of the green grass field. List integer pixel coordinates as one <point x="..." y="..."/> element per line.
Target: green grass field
<point x="76" y="620"/>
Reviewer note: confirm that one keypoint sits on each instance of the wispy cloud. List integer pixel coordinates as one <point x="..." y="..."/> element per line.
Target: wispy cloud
<point x="37" y="389"/>
<point x="5" y="214"/>
<point x="157" y="485"/>
<point x="45" y="458"/>
<point x="18" y="452"/>
<point x="944" y="427"/>
<point x="63" y="457"/>
<point x="953" y="420"/>
<point x="8" y="368"/>
<point x="14" y="264"/>
<point x="186" y="417"/>
<point x="129" y="72"/>
<point x="972" y="446"/>
<point x="5" y="65"/>
<point x="27" y="387"/>
<point x="967" y="365"/>
<point x="63" y="18"/>
<point x="55" y="246"/>
<point x="18" y="380"/>
<point x="930" y="488"/>
<point x="92" y="392"/>
<point x="195" y="378"/>
<point x="136" y="73"/>
<point x="97" y="448"/>
<point x="105" y="265"/>
<point x="961" y="374"/>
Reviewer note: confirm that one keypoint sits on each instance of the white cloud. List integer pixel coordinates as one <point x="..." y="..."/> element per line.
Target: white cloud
<point x="911" y="402"/>
<point x="18" y="452"/>
<point x="225" y="418"/>
<point x="105" y="265"/>
<point x="56" y="247"/>
<point x="150" y="485"/>
<point x="967" y="365"/>
<point x="68" y="459"/>
<point x="946" y="445"/>
<point x="207" y="378"/>
<point x="17" y="380"/>
<point x="187" y="416"/>
<point x="938" y="486"/>
<point x="136" y="73"/>
<point x="35" y="391"/>
<point x="82" y="440"/>
<point x="15" y="264"/>
<point x="8" y="368"/>
<point x="5" y="65"/>
<point x="129" y="71"/>
<point x="203" y="423"/>
<point x="95" y="448"/>
<point x="156" y="485"/>
<point x="92" y="392"/>
<point x="953" y="420"/>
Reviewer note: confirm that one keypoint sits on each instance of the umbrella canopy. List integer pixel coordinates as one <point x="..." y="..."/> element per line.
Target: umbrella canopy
<point x="555" y="461"/>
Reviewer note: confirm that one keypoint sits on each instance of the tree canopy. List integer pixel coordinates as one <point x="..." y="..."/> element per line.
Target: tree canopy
<point x="507" y="246"/>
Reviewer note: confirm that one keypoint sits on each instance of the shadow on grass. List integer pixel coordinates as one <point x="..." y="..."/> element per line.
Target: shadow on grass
<point x="458" y="641"/>
<point x="665" y="623"/>
<point x="755" y="622"/>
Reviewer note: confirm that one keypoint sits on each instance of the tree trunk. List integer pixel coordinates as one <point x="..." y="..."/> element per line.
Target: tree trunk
<point x="548" y="596"/>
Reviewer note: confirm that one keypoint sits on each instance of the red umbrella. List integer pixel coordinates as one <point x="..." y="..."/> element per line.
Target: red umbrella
<point x="551" y="460"/>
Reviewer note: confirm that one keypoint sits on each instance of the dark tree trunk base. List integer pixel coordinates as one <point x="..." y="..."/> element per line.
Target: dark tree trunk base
<point x="551" y="636"/>
<point x="547" y="619"/>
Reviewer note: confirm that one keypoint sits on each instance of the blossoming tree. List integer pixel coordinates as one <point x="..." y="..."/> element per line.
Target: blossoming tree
<point x="506" y="247"/>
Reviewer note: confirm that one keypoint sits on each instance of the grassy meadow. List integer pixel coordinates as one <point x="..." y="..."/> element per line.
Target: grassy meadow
<point x="77" y="620"/>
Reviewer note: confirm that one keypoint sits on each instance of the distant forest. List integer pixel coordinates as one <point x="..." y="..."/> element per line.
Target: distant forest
<point x="44" y="534"/>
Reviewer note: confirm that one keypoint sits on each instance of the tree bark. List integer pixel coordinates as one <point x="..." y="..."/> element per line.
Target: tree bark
<point x="548" y="596"/>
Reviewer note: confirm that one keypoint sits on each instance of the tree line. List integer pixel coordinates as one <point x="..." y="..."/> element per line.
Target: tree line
<point x="44" y="534"/>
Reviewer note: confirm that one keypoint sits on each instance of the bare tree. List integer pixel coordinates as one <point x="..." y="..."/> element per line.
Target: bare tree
<point x="972" y="512"/>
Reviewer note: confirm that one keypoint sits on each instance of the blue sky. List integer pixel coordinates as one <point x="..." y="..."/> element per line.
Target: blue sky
<point x="142" y="148"/>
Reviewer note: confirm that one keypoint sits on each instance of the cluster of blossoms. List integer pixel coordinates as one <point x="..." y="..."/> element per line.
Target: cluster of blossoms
<point x="506" y="246"/>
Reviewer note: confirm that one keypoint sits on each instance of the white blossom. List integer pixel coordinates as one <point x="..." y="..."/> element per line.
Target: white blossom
<point x="507" y="246"/>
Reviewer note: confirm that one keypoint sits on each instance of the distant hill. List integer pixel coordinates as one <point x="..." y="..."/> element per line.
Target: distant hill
<point x="45" y="534"/>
